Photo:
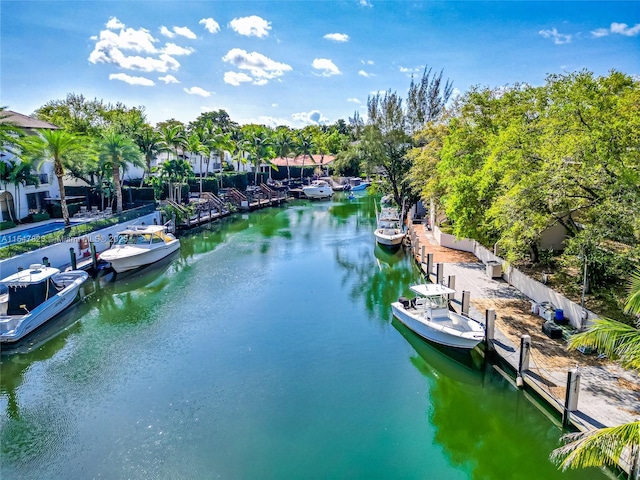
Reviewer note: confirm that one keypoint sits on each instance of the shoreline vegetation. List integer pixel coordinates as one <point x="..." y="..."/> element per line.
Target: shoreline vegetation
<point x="498" y="165"/>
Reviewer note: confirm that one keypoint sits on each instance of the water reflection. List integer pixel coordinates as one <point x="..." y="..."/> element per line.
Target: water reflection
<point x="484" y="425"/>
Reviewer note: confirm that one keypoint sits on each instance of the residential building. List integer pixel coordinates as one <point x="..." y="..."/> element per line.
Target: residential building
<point x="18" y="201"/>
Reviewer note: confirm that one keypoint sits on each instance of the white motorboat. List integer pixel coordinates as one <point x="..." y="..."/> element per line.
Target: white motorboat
<point x="33" y="296"/>
<point x="428" y="315"/>
<point x="139" y="246"/>
<point x="389" y="232"/>
<point x="318" y="189"/>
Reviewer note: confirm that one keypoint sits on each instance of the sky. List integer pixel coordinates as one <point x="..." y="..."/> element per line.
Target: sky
<point x="295" y="62"/>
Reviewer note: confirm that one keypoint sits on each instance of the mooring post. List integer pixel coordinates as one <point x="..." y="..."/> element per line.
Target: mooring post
<point x="94" y="255"/>
<point x="451" y="283"/>
<point x="422" y="254"/>
<point x="429" y="263"/>
<point x="466" y="295"/>
<point x="72" y="252"/>
<point x="571" y="396"/>
<point x="525" y="351"/>
<point x="489" y="328"/>
<point x="439" y="273"/>
<point x="416" y="249"/>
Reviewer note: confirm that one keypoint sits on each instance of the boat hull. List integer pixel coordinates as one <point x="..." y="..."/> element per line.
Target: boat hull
<point x="389" y="240"/>
<point x="127" y="258"/>
<point x="433" y="332"/>
<point x="14" y="328"/>
<point x="317" y="193"/>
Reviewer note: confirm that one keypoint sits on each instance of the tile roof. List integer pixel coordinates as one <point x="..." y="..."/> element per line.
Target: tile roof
<point x="297" y="161"/>
<point x="23" y="121"/>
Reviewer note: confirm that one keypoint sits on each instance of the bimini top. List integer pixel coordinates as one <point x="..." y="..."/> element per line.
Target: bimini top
<point x="141" y="229"/>
<point x="36" y="273"/>
<point x="431" y="289"/>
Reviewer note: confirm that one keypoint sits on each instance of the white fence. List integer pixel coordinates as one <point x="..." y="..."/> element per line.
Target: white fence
<point x="533" y="289"/>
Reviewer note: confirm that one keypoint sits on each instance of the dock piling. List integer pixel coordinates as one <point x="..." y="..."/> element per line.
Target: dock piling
<point x="422" y="254"/>
<point x="429" y="263"/>
<point x="489" y="329"/>
<point x="571" y="397"/>
<point x="523" y="364"/>
<point x="94" y="255"/>
<point x="439" y="273"/>
<point x="451" y="283"/>
<point x="466" y="295"/>
<point x="72" y="253"/>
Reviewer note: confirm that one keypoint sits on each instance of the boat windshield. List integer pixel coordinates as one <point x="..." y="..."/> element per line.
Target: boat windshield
<point x="134" y="239"/>
<point x="439" y="301"/>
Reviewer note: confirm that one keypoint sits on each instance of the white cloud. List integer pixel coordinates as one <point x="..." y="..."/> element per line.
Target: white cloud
<point x="114" y="24"/>
<point x="558" y="38"/>
<point x="274" y="105"/>
<point x="259" y="67"/>
<point x="314" y="117"/>
<point x="185" y="32"/>
<point x="168" y="79"/>
<point x="600" y="32"/>
<point x="197" y="91"/>
<point x="210" y="24"/>
<point x="236" y="78"/>
<point x="252" y="26"/>
<point x="145" y="82"/>
<point x="173" y="49"/>
<point x="327" y="66"/>
<point x="111" y="46"/>
<point x="362" y="73"/>
<point x="337" y="37"/>
<point x="366" y="62"/>
<point x="623" y="29"/>
<point x="354" y="100"/>
<point x="166" y="32"/>
<point x="365" y="3"/>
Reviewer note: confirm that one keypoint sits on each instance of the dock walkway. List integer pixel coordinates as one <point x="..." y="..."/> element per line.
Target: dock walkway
<point x="609" y="395"/>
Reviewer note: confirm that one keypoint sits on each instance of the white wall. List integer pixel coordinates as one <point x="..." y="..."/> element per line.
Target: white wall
<point x="59" y="254"/>
<point x="533" y="289"/>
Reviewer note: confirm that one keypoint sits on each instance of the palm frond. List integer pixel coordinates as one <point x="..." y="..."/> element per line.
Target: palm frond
<point x="595" y="448"/>
<point x="615" y="339"/>
<point x="633" y="290"/>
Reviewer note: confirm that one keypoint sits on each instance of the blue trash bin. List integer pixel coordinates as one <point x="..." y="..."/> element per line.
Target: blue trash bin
<point x="559" y="316"/>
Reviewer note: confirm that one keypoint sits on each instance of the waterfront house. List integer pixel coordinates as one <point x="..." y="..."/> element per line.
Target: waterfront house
<point x="18" y="201"/>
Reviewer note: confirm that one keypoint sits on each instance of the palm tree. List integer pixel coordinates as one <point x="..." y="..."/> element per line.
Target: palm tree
<point x="304" y="147"/>
<point x="605" y="446"/>
<point x="116" y="151"/>
<point x="10" y="134"/>
<point x="260" y="147"/>
<point x="150" y="143"/>
<point x="283" y="144"/>
<point x="60" y="146"/>
<point x="22" y="173"/>
<point x="194" y="145"/>
<point x="172" y="138"/>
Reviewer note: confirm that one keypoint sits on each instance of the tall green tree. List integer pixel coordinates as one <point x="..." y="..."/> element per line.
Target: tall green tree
<point x="283" y="144"/>
<point x="22" y="174"/>
<point x="116" y="151"/>
<point x="150" y="144"/>
<point x="387" y="142"/>
<point x="62" y="148"/>
<point x="305" y="146"/>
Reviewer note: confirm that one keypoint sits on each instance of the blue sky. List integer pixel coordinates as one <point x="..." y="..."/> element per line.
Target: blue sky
<point x="295" y="62"/>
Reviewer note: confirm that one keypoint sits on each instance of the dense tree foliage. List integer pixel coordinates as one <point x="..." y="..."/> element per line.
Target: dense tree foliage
<point x="510" y="163"/>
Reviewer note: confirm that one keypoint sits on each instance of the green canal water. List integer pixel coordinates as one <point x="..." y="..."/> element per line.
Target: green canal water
<point x="266" y="350"/>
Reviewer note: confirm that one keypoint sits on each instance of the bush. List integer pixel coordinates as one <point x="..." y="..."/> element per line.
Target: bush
<point x="39" y="217"/>
<point x="6" y="225"/>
